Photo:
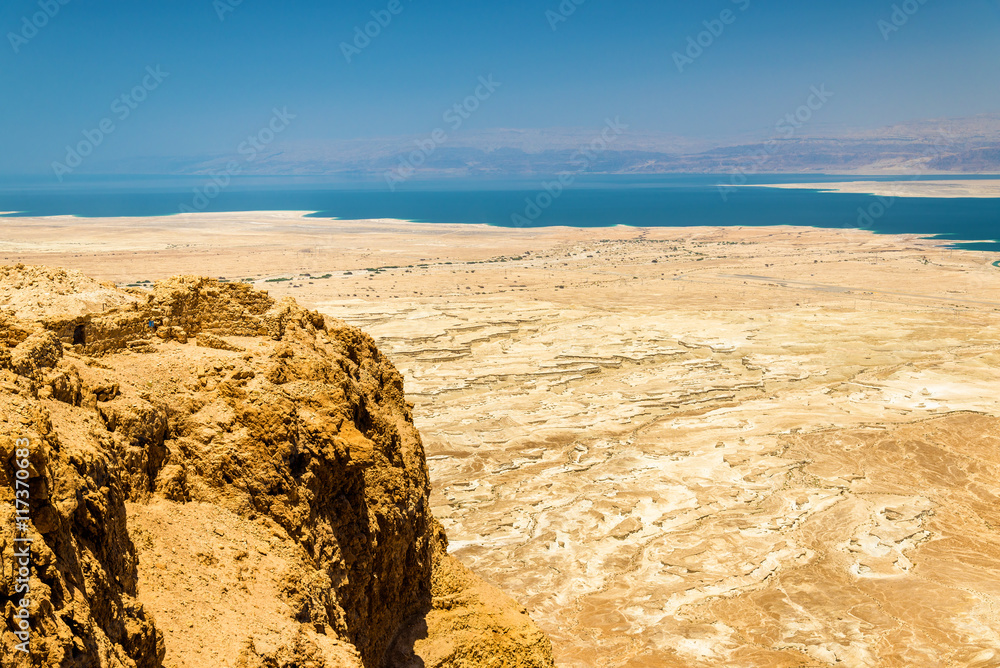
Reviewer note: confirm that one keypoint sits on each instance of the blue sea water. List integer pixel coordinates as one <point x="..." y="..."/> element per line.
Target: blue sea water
<point x="591" y="201"/>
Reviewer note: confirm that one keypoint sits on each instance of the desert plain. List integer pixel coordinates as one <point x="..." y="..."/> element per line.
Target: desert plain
<point x="773" y="446"/>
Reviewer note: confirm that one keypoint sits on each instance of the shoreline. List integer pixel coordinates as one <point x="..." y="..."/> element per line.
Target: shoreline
<point x="253" y="224"/>
<point x="291" y="253"/>
<point x="929" y="189"/>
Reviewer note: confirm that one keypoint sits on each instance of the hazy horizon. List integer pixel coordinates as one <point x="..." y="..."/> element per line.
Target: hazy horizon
<point x="189" y="79"/>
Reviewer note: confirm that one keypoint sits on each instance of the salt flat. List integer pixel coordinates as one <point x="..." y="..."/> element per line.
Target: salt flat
<point x="912" y="188"/>
<point x="676" y="447"/>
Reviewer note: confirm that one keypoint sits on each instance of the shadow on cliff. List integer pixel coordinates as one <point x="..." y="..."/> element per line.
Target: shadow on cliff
<point x="402" y="652"/>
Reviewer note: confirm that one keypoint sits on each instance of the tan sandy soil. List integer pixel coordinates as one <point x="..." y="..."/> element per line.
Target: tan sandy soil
<point x="985" y="188"/>
<point x="205" y="569"/>
<point x="675" y="447"/>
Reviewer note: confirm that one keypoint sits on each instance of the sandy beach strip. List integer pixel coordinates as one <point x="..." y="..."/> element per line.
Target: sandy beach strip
<point x="976" y="188"/>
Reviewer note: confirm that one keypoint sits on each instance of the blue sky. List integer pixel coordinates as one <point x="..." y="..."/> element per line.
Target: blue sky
<point x="608" y="58"/>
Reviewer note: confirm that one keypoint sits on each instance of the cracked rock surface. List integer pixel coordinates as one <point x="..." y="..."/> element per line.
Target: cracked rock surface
<point x="219" y="479"/>
<point x="681" y="447"/>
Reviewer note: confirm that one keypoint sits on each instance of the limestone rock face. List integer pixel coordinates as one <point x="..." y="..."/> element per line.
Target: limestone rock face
<point x="83" y="606"/>
<point x="257" y="496"/>
<point x="471" y="624"/>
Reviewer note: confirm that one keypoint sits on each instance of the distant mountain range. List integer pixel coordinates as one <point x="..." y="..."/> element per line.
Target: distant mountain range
<point x="953" y="145"/>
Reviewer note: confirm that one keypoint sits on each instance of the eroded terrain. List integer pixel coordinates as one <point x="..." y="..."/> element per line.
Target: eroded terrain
<point x="701" y="447"/>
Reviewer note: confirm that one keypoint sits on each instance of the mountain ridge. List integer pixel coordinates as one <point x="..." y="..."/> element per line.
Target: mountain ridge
<point x="946" y="145"/>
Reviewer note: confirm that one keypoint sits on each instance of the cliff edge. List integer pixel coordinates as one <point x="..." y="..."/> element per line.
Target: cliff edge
<point x="216" y="479"/>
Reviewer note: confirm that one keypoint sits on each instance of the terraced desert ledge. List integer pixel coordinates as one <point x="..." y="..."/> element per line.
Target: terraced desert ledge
<point x="751" y="447"/>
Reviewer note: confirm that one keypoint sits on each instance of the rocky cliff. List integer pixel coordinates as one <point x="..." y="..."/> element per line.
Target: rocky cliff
<point x="219" y="479"/>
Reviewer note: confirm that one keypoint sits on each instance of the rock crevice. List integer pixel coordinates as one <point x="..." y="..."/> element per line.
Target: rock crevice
<point x="200" y="394"/>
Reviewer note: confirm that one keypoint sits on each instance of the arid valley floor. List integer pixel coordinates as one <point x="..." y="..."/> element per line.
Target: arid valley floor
<point x="675" y="447"/>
